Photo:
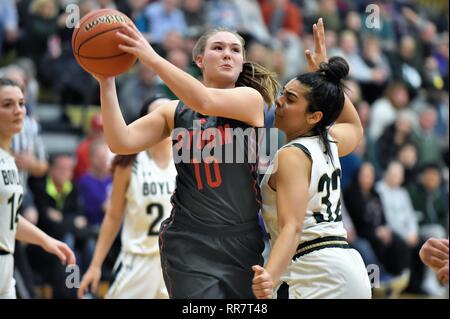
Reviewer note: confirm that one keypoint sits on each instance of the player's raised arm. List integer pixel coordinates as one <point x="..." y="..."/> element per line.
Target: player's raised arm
<point x="139" y="135"/>
<point x="347" y="130"/>
<point x="221" y="61"/>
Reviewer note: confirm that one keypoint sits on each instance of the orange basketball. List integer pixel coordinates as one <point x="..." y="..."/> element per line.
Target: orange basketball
<point x="95" y="43"/>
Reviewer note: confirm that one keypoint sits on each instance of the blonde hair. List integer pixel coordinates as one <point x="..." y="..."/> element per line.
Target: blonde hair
<point x="253" y="75"/>
<point x="37" y="4"/>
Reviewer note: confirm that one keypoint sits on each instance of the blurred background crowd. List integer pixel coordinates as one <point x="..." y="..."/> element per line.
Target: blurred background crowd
<point x="395" y="184"/>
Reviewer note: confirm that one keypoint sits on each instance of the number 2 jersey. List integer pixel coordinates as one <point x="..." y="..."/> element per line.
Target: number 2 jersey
<point x="323" y="214"/>
<point x="11" y="195"/>
<point x="147" y="204"/>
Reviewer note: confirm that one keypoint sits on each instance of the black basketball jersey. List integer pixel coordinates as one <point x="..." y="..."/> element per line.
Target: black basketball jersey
<point x="218" y="183"/>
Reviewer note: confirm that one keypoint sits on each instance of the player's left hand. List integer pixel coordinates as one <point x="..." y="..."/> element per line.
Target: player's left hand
<point x="262" y="283"/>
<point x="136" y="44"/>
<point x="320" y="51"/>
<point x="60" y="250"/>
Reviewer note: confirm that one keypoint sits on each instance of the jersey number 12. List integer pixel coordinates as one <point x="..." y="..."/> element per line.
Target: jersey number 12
<point x="14" y="210"/>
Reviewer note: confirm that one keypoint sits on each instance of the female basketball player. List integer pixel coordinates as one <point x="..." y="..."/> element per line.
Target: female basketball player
<point x="310" y="257"/>
<point x="12" y="225"/>
<point x="212" y="237"/>
<point x="141" y="191"/>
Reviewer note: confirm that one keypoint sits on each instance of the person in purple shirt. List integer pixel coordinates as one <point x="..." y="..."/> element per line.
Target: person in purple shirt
<point x="94" y="185"/>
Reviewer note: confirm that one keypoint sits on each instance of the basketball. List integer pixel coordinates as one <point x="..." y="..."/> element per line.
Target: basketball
<point x="95" y="43"/>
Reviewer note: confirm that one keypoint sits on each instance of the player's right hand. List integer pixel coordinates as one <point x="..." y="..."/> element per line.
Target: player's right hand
<point x="91" y="278"/>
<point x="262" y="283"/>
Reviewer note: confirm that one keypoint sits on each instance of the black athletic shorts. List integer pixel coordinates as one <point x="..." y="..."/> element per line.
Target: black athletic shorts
<point x="209" y="262"/>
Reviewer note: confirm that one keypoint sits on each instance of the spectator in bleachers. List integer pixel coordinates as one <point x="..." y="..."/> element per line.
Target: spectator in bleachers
<point x="31" y="84"/>
<point x="328" y="10"/>
<point x="385" y="31"/>
<point x="94" y="187"/>
<point x="390" y="286"/>
<point x="375" y="59"/>
<point x="252" y="23"/>
<point x="222" y="14"/>
<point x="385" y="109"/>
<point x="397" y="204"/>
<point x="405" y="65"/>
<point x="371" y="70"/>
<point x="402" y="219"/>
<point x="94" y="184"/>
<point x="164" y="16"/>
<point x="426" y="140"/>
<point x="82" y="151"/>
<point x="9" y="23"/>
<point x="106" y="4"/>
<point x="430" y="202"/>
<point x="136" y="13"/>
<point x="407" y="156"/>
<point x="366" y="210"/>
<point x="440" y="53"/>
<point x="136" y="88"/>
<point x="195" y="16"/>
<point x="393" y="138"/>
<point x="282" y="18"/>
<point x="40" y="25"/>
<point x="172" y="41"/>
<point x="60" y="217"/>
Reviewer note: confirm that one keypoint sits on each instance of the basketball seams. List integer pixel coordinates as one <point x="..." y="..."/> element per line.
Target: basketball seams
<point x="94" y="36"/>
<point x="81" y="23"/>
<point x="101" y="57"/>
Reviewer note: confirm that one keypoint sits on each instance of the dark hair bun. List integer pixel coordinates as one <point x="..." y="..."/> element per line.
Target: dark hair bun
<point x="335" y="69"/>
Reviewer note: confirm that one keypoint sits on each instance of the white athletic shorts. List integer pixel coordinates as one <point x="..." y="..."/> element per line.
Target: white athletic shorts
<point x="329" y="273"/>
<point x="137" y="277"/>
<point x="7" y="282"/>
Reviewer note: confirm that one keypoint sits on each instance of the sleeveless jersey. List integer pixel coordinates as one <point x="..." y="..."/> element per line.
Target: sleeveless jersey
<point x="148" y="204"/>
<point x="217" y="183"/>
<point x="323" y="213"/>
<point x="11" y="195"/>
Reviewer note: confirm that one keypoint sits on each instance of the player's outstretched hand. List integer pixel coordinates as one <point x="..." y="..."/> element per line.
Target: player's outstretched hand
<point x="320" y="49"/>
<point x="60" y="250"/>
<point x="90" y="278"/>
<point x="262" y="283"/>
<point x="136" y="44"/>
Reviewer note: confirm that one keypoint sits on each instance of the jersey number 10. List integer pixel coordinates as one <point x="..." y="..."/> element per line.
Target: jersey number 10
<point x="213" y="183"/>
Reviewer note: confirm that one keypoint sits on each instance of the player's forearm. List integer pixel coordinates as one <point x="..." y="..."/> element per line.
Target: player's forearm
<point x="115" y="128"/>
<point x="108" y="232"/>
<point x="188" y="89"/>
<point x="28" y="233"/>
<point x="283" y="251"/>
<point x="349" y="115"/>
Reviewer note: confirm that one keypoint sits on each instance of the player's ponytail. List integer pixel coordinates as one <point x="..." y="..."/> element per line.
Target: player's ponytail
<point x="261" y="79"/>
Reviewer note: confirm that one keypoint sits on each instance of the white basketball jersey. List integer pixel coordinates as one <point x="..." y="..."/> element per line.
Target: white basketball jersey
<point x="323" y="214"/>
<point x="11" y="195"/>
<point x="148" y="204"/>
